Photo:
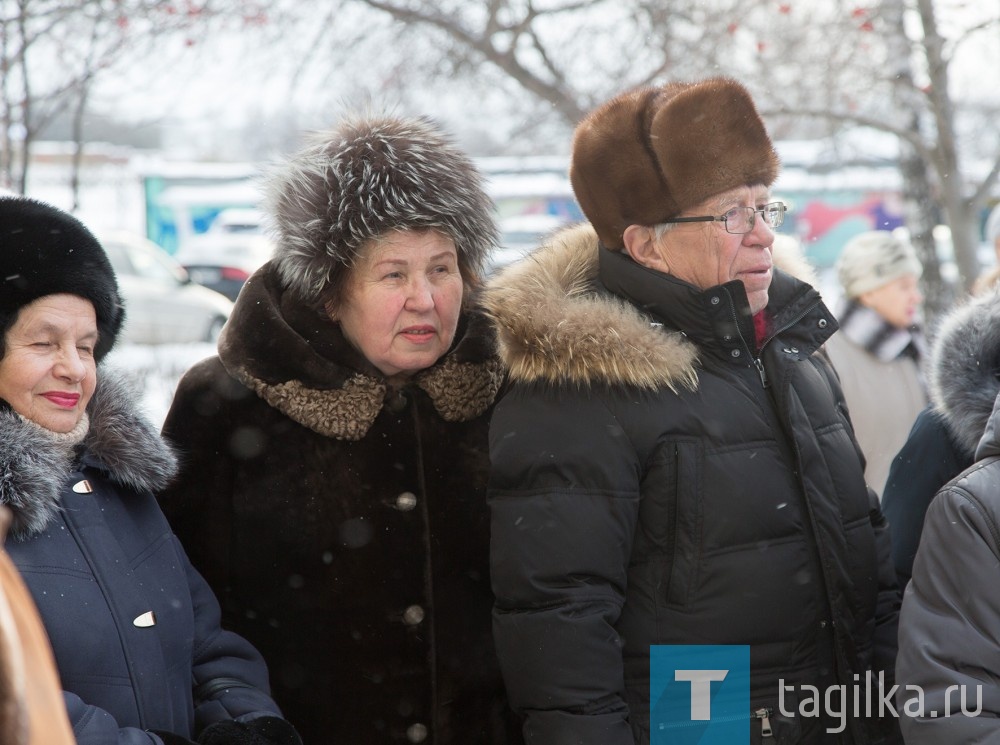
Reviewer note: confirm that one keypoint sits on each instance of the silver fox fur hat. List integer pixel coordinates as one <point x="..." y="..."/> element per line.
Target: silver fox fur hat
<point x="369" y="175"/>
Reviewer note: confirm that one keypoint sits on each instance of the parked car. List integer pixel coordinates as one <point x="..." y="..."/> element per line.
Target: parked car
<point x="162" y="304"/>
<point x="224" y="257"/>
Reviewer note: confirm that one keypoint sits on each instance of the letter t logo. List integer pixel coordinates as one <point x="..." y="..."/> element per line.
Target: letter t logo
<point x="701" y="690"/>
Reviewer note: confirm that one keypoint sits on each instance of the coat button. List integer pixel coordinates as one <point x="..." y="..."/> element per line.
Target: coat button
<point x="715" y="300"/>
<point x="406" y="501"/>
<point x="821" y="323"/>
<point x="83" y="487"/>
<point x="735" y="353"/>
<point x="413" y="615"/>
<point x="416" y="732"/>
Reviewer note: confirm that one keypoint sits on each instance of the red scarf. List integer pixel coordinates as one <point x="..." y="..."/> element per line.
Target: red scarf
<point x="760" y="327"/>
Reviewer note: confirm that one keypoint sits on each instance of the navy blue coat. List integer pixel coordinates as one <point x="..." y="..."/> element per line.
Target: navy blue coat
<point x="135" y="629"/>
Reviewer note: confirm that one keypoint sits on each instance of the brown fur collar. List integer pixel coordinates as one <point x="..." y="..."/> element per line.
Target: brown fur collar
<point x="460" y="391"/>
<point x="301" y="365"/>
<point x="557" y="325"/>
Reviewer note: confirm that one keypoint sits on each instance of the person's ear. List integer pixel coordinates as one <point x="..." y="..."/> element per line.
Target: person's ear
<point x="331" y="309"/>
<point x="641" y="244"/>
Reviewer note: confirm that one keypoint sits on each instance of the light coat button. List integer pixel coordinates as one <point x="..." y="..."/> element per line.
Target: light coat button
<point x="146" y="620"/>
<point x="406" y="501"/>
<point x="416" y="732"/>
<point x="83" y="487"/>
<point x="413" y="615"/>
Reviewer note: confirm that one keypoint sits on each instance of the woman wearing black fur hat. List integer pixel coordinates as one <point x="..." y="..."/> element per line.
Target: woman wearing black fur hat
<point x="134" y="628"/>
<point x="335" y="452"/>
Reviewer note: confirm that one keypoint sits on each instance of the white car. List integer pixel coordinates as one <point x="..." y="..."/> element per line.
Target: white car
<point x="225" y="256"/>
<point x="162" y="305"/>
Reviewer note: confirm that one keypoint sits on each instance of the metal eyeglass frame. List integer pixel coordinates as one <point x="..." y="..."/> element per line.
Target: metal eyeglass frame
<point x="775" y="209"/>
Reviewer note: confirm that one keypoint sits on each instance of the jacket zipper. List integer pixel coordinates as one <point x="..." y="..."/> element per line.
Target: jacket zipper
<point x="756" y="358"/>
<point x="764" y="715"/>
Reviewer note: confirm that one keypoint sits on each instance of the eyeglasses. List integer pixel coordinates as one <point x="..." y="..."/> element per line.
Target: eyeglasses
<point x="741" y="220"/>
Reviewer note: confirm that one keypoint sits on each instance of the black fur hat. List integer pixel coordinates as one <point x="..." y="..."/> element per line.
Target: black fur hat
<point x="45" y="251"/>
<point x="366" y="177"/>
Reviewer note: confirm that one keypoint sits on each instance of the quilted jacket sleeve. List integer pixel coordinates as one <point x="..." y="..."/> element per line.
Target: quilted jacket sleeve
<point x="564" y="499"/>
<point x="949" y="633"/>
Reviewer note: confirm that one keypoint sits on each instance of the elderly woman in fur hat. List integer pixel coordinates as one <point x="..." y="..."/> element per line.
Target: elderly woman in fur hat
<point x="135" y="630"/>
<point x="335" y="454"/>
<point x="672" y="464"/>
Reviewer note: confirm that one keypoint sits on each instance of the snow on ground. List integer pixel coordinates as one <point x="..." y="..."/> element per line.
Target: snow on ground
<point x="155" y="370"/>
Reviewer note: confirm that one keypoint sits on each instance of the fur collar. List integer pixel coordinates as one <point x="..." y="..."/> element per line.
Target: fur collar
<point x="964" y="367"/>
<point x="300" y="364"/>
<point x="558" y="325"/>
<point x="34" y="468"/>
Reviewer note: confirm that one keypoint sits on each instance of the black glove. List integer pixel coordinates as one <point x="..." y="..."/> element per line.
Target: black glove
<point x="169" y="738"/>
<point x="261" y="731"/>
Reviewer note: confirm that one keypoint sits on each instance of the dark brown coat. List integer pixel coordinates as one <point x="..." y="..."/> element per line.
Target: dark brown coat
<point x="344" y="527"/>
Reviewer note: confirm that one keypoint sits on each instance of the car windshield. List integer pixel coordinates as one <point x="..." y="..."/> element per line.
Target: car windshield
<point x="139" y="263"/>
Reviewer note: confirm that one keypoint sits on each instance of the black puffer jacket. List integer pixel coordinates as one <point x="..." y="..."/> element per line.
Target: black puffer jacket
<point x="949" y="628"/>
<point x="647" y="488"/>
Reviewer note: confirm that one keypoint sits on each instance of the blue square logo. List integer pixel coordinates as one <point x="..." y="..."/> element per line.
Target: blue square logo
<point x="699" y="694"/>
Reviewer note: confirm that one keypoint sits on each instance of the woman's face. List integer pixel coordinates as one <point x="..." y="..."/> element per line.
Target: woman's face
<point x="48" y="372"/>
<point x="897" y="301"/>
<point x="402" y="301"/>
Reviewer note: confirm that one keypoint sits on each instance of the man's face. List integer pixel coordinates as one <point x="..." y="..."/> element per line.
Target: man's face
<point x="705" y="255"/>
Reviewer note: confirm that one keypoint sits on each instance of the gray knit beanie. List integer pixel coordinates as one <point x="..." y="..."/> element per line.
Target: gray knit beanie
<point x="872" y="259"/>
<point x="370" y="175"/>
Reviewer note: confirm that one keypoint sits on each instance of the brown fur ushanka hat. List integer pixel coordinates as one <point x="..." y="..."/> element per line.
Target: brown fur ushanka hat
<point x="648" y="154"/>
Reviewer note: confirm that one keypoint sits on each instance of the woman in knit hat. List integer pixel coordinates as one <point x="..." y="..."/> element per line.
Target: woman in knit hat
<point x="879" y="351"/>
<point x="134" y="629"/>
<point x="335" y="455"/>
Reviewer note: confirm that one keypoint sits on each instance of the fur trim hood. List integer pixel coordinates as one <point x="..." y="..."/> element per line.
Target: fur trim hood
<point x="558" y="325"/>
<point x="300" y="363"/>
<point x="34" y="468"/>
<point x="964" y="367"/>
<point x="364" y="178"/>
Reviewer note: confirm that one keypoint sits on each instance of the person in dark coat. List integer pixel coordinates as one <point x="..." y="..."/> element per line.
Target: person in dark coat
<point x="135" y="630"/>
<point x="963" y="375"/>
<point x="335" y="451"/>
<point x="948" y="670"/>
<point x="673" y="463"/>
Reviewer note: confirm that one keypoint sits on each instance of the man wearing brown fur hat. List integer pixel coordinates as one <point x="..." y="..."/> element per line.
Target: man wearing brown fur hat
<point x="672" y="464"/>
